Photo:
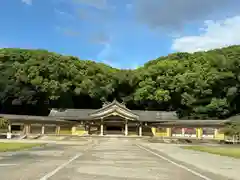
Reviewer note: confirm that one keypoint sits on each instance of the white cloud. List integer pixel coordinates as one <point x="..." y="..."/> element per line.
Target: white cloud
<point x="213" y="35"/>
<point x="63" y="13"/>
<point x="28" y="2"/>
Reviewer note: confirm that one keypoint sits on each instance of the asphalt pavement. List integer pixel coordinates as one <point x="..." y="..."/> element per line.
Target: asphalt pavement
<point x="100" y="159"/>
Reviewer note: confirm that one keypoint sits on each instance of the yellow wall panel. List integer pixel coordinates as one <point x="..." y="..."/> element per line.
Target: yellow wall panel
<point x="153" y="130"/>
<point x="78" y="131"/>
<point x="219" y="135"/>
<point x="161" y="134"/>
<point x="169" y="132"/>
<point x="199" y="133"/>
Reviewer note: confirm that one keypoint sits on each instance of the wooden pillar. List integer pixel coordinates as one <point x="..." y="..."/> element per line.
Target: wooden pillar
<point x="101" y="129"/>
<point x="58" y="129"/>
<point x="140" y="129"/>
<point x="183" y="132"/>
<point x="29" y="128"/>
<point x="25" y="129"/>
<point x="9" y="128"/>
<point x="9" y="133"/>
<point x="43" y="128"/>
<point x="89" y="129"/>
<point x="215" y="132"/>
<point x="126" y="128"/>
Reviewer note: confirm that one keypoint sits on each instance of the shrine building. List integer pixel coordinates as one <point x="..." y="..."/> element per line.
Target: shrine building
<point x="114" y="119"/>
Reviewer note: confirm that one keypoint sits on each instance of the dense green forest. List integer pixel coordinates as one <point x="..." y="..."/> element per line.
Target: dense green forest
<point x="199" y="85"/>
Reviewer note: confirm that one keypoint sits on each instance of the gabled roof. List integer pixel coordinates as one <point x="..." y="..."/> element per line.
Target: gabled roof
<point x="114" y="109"/>
<point x="74" y="114"/>
<point x="234" y="118"/>
<point x="31" y="118"/>
<point x="113" y="103"/>
<point x="84" y="114"/>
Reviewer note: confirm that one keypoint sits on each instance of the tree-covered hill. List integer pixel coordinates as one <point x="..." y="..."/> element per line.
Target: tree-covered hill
<point x="198" y="85"/>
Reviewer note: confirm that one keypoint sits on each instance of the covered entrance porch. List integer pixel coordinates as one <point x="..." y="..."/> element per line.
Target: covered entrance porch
<point x="115" y="119"/>
<point x="116" y="127"/>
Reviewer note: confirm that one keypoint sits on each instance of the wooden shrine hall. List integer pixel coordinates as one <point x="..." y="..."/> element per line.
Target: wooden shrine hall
<point x="113" y="118"/>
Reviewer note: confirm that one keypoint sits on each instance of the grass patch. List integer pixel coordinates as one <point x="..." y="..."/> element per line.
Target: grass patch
<point x="219" y="150"/>
<point x="8" y="146"/>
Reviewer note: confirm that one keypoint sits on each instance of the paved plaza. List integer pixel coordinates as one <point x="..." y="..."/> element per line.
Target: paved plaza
<point x="99" y="159"/>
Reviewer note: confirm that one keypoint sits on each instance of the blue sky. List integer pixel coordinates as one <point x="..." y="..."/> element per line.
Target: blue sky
<point x="121" y="33"/>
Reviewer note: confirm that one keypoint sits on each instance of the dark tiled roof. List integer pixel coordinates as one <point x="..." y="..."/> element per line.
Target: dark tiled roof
<point x="234" y="118"/>
<point x="29" y="117"/>
<point x="72" y="113"/>
<point x="156" y="115"/>
<point x="85" y="114"/>
<point x="143" y="115"/>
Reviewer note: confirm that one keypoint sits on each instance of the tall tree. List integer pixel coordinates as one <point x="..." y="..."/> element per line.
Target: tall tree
<point x="197" y="85"/>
